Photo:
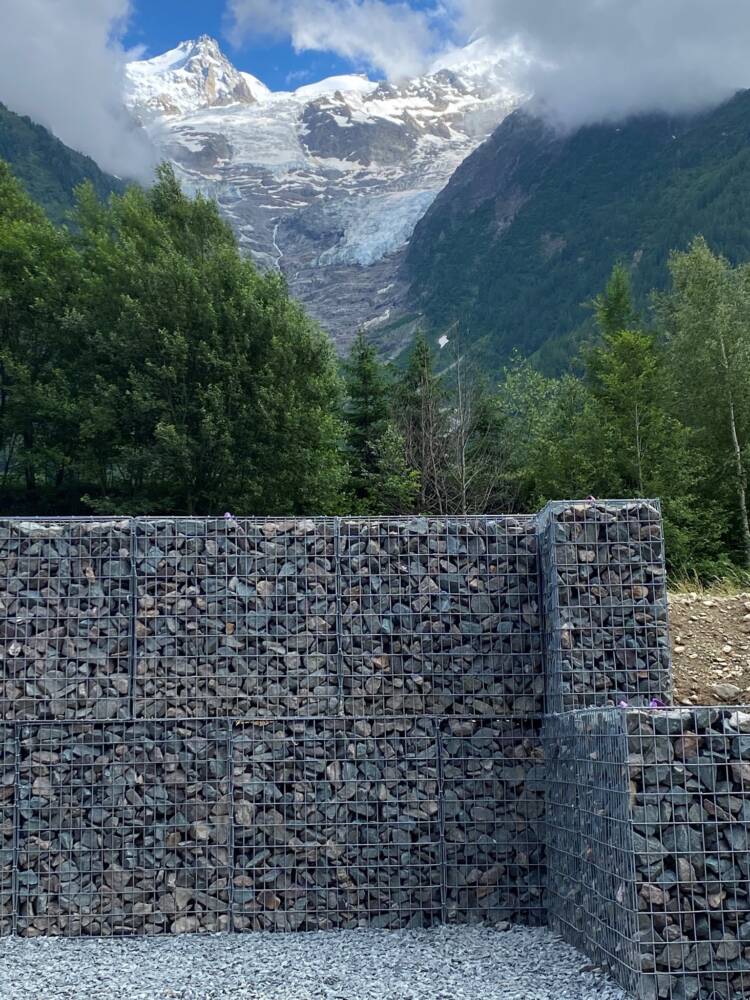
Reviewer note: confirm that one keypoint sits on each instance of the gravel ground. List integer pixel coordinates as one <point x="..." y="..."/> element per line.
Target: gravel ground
<point x="445" y="963"/>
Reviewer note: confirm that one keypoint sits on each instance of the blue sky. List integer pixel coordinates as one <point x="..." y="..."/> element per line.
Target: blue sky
<point x="158" y="25"/>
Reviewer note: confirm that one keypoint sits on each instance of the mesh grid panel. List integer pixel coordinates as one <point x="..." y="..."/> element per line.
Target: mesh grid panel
<point x="298" y="724"/>
<point x="123" y="829"/>
<point x="441" y="617"/>
<point x="236" y="618"/>
<point x="336" y="825"/>
<point x="689" y="770"/>
<point x="493" y="786"/>
<point x="605" y="601"/>
<point x="7" y="827"/>
<point x="65" y="592"/>
<point x="648" y="847"/>
<point x="591" y="879"/>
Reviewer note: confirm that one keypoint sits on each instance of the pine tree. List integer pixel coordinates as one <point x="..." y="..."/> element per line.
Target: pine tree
<point x="393" y="487"/>
<point x="614" y="309"/>
<point x="366" y="416"/>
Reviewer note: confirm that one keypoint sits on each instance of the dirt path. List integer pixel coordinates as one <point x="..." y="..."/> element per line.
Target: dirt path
<point x="711" y="645"/>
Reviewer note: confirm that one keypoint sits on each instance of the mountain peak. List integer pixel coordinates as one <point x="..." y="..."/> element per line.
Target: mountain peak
<point x="191" y="77"/>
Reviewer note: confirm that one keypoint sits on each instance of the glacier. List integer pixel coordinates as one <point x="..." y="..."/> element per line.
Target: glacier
<point x="326" y="182"/>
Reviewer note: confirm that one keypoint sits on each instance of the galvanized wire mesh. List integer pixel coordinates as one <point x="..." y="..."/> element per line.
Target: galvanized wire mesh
<point x="336" y="824"/>
<point x="689" y="772"/>
<point x="233" y="618"/>
<point x="591" y="893"/>
<point x="493" y="792"/>
<point x="123" y="828"/>
<point x="7" y="828"/>
<point x="307" y="724"/>
<point x="605" y="602"/>
<point x="170" y="826"/>
<point x="649" y="849"/>
<point x="236" y="618"/>
<point x="441" y="617"/>
<point x="65" y="629"/>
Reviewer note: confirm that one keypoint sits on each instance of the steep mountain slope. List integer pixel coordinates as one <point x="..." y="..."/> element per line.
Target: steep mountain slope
<point x="529" y="227"/>
<point x="49" y="170"/>
<point x="326" y="182"/>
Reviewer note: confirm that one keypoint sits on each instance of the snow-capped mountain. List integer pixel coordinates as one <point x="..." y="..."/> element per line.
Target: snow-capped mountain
<point x="326" y="182"/>
<point x="193" y="76"/>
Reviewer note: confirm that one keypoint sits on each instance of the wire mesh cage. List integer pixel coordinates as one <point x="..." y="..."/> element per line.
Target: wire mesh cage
<point x="591" y="893"/>
<point x="8" y="750"/>
<point x="689" y="772"/>
<point x="123" y="828"/>
<point x="648" y="846"/>
<point x="493" y="792"/>
<point x="336" y="824"/>
<point x="441" y="617"/>
<point x="605" y="602"/>
<point x="65" y="629"/>
<point x="236" y="618"/>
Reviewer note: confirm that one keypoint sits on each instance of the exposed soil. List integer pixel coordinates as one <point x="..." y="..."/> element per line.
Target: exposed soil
<point x="711" y="646"/>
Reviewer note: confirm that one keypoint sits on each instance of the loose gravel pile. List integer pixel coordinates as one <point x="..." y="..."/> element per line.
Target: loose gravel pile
<point x="445" y="963"/>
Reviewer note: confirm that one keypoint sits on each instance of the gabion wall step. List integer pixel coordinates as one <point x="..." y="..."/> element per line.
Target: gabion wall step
<point x="648" y="817"/>
<point x="233" y="618"/>
<point x="299" y="724"/>
<point x="203" y="826"/>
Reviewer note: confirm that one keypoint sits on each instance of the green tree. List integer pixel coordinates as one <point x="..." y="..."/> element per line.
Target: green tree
<point x="707" y="314"/>
<point x="366" y="416"/>
<point x="642" y="448"/>
<point x="420" y="409"/>
<point x="613" y="308"/>
<point x="212" y="390"/>
<point x="392" y="487"/>
<point x="38" y="278"/>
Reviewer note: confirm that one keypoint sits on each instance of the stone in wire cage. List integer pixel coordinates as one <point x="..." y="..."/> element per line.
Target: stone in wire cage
<point x="674" y="921"/>
<point x="441" y="617"/>
<point x="605" y="603"/>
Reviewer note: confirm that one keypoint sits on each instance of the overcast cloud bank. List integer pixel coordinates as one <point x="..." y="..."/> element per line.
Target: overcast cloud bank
<point x="61" y="63"/>
<point x="608" y="59"/>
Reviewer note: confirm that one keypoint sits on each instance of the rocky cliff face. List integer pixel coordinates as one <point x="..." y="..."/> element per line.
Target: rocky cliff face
<point x="327" y="182"/>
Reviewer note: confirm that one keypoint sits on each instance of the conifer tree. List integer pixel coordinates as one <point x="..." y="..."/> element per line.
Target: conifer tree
<point x="366" y="415"/>
<point x="613" y="308"/>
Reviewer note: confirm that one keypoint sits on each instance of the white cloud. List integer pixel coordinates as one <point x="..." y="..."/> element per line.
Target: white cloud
<point x="607" y="59"/>
<point x="62" y="64"/>
<point x="390" y="37"/>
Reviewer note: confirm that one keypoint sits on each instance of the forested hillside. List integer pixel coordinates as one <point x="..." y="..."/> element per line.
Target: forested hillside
<point x="145" y="366"/>
<point x="531" y="224"/>
<point x="49" y="171"/>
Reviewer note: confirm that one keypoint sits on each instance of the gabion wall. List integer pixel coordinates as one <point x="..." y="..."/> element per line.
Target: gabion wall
<point x="235" y="618"/>
<point x="201" y="826"/>
<point x="605" y="604"/>
<point x="234" y="724"/>
<point x="649" y="834"/>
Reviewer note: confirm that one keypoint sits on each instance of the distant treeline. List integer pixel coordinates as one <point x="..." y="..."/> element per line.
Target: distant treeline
<point x="145" y="366"/>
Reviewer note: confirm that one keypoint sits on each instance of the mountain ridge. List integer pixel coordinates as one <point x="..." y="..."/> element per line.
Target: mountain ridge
<point x="529" y="227"/>
<point x="49" y="170"/>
